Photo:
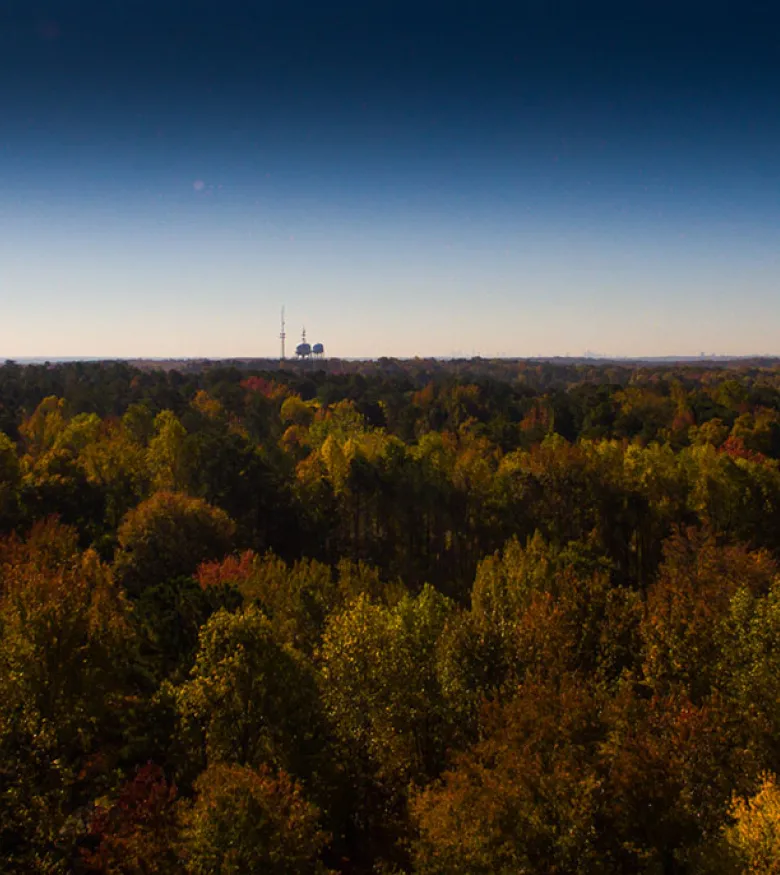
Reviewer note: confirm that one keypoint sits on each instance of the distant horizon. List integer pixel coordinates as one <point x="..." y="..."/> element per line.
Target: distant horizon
<point x="447" y="358"/>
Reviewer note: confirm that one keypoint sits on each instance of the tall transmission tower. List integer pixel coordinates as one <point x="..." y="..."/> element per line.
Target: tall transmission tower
<point x="282" y="335"/>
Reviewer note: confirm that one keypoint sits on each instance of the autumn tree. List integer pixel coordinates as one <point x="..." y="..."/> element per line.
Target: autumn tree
<point x="297" y="598"/>
<point x="524" y="799"/>
<point x="64" y="653"/>
<point x="752" y="840"/>
<point x="688" y="604"/>
<point x="138" y="830"/>
<point x="251" y="820"/>
<point x="168" y="536"/>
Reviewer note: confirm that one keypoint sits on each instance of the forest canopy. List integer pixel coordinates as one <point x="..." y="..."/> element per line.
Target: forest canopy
<point x="404" y="617"/>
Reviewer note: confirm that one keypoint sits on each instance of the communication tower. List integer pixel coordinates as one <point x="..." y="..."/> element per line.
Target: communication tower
<point x="282" y="335"/>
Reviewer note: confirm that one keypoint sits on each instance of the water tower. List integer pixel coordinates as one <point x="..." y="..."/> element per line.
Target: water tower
<point x="303" y="350"/>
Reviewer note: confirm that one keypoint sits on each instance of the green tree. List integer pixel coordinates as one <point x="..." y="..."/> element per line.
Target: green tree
<point x="380" y="686"/>
<point x="250" y="699"/>
<point x="167" y="456"/>
<point x="747" y="671"/>
<point x="388" y="713"/>
<point x="116" y="465"/>
<point x="40" y="431"/>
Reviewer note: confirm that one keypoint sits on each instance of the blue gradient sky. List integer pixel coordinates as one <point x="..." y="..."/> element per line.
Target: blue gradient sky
<point x="429" y="178"/>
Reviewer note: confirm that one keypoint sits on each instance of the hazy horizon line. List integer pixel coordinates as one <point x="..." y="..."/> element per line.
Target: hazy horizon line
<point x="42" y="359"/>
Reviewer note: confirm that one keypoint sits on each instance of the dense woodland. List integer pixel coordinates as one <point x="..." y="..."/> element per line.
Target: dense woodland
<point x="506" y="617"/>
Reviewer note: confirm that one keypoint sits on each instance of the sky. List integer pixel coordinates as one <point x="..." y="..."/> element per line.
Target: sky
<point x="550" y="177"/>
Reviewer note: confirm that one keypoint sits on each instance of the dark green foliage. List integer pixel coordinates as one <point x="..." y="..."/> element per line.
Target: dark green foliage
<point x="169" y="616"/>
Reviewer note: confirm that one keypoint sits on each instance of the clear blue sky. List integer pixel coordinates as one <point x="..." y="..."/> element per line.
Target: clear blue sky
<point x="407" y="178"/>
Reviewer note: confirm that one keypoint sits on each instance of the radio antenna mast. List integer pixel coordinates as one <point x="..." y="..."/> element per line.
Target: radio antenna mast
<point x="282" y="335"/>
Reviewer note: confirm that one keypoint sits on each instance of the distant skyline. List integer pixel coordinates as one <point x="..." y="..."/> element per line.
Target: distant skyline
<point x="408" y="179"/>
